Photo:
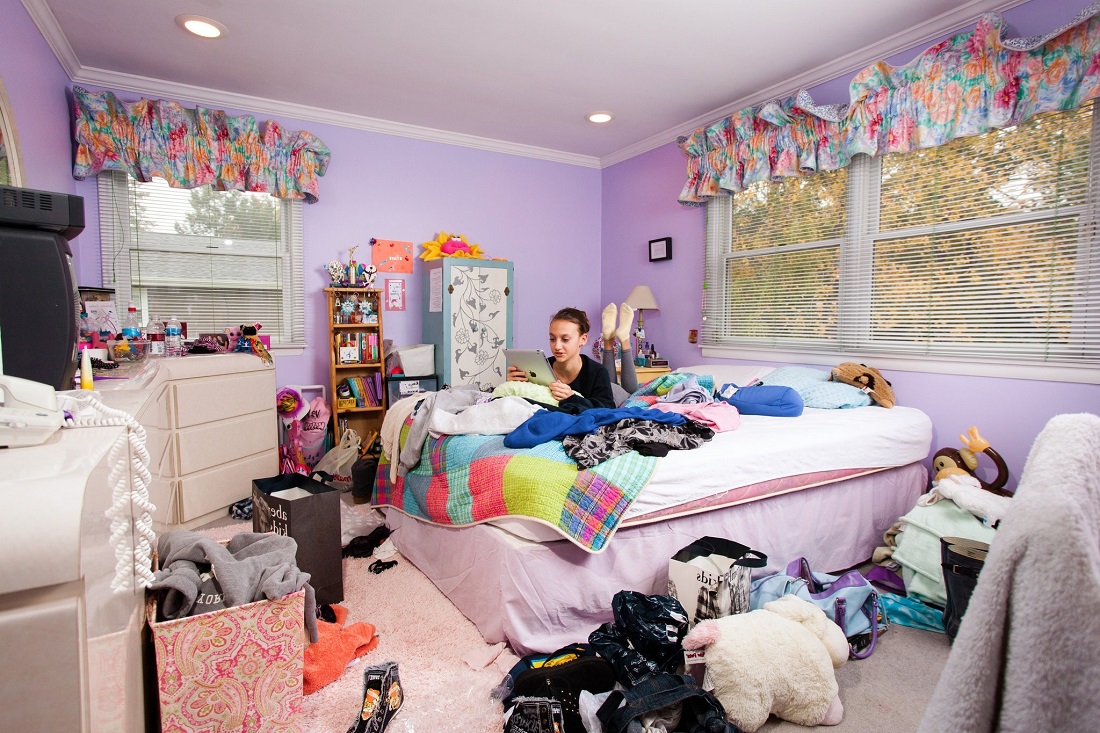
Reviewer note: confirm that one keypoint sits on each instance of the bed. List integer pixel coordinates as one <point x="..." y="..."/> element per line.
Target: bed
<point x="825" y="485"/>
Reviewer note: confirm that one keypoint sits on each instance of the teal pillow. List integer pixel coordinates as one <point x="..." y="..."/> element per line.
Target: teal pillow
<point x="816" y="389"/>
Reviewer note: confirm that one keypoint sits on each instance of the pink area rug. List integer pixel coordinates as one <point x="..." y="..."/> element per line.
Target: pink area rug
<point x="429" y="639"/>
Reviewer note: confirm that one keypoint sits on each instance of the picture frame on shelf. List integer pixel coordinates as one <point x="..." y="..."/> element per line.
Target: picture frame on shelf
<point x="660" y="249"/>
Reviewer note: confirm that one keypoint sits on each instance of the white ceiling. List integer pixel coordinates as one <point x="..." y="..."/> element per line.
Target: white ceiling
<point x="518" y="76"/>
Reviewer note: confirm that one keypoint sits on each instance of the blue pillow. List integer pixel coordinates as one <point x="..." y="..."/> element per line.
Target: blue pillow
<point x="816" y="389"/>
<point x="763" y="399"/>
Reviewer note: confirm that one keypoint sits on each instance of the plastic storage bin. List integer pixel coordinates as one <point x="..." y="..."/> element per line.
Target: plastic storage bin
<point x="417" y="360"/>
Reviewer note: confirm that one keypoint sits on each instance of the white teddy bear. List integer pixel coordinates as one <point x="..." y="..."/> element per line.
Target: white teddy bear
<point x="778" y="659"/>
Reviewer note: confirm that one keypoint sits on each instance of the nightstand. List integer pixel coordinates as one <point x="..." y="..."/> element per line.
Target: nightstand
<point x="648" y="374"/>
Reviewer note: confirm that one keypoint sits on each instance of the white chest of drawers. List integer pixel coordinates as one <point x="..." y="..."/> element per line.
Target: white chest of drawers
<point x="212" y="428"/>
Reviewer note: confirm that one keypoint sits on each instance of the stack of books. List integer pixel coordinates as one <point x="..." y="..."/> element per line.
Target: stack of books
<point x="359" y="348"/>
<point x="366" y="390"/>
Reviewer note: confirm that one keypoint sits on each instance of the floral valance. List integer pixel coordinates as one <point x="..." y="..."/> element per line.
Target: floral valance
<point x="193" y="147"/>
<point x="966" y="85"/>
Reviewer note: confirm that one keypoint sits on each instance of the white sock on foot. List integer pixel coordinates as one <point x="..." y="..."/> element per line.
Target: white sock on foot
<point x="610" y="313"/>
<point x="626" y="323"/>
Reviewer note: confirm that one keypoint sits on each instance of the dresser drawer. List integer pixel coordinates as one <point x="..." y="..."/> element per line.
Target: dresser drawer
<point x="216" y="488"/>
<point x="212" y="444"/>
<point x="197" y="401"/>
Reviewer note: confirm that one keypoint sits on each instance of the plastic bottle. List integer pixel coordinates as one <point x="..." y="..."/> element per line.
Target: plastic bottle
<point x="131" y="326"/>
<point x="85" y="328"/>
<point x="155" y="333"/>
<point x="86" y="381"/>
<point x="173" y="338"/>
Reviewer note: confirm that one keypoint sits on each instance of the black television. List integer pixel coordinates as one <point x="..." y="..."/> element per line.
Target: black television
<point x="39" y="300"/>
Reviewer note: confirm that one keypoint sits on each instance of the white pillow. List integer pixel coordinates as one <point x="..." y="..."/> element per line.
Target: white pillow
<point x="739" y="374"/>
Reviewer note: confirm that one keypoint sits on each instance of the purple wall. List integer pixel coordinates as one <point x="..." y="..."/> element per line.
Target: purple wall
<point x="543" y="216"/>
<point x="36" y="82"/>
<point x="639" y="204"/>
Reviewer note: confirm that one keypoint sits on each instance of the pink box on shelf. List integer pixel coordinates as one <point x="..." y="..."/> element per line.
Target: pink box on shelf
<point x="231" y="670"/>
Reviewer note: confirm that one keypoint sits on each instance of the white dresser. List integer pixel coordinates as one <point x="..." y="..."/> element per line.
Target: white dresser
<point x="71" y="647"/>
<point x="212" y="428"/>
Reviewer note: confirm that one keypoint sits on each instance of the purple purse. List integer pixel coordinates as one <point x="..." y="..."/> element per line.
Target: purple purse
<point x="848" y="599"/>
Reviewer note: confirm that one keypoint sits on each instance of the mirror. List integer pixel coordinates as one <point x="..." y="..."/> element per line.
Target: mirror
<point x="11" y="171"/>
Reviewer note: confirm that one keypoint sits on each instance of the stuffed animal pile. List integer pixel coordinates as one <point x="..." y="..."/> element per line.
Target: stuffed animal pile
<point x="778" y="659"/>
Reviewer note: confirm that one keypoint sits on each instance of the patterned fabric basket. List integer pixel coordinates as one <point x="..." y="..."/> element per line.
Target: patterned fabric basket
<point x="235" y="669"/>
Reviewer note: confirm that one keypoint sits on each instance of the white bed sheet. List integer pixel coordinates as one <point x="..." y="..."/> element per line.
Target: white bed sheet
<point x="767" y="448"/>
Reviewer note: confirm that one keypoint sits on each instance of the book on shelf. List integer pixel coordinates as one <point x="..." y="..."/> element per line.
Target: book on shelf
<point x="355" y="391"/>
<point x="368" y="441"/>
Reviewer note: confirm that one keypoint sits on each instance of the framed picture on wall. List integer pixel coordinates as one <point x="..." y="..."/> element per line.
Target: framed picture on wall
<point x="660" y="249"/>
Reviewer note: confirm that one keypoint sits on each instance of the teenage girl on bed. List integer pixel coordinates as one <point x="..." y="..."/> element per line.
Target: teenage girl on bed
<point x="580" y="383"/>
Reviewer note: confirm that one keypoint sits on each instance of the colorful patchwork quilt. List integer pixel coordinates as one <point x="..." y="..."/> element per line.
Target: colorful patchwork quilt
<point x="467" y="479"/>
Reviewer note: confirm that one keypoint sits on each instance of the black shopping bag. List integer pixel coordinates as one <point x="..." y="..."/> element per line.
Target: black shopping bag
<point x="309" y="511"/>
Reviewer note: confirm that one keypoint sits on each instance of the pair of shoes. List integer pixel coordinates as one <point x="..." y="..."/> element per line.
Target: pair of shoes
<point x="382" y="698"/>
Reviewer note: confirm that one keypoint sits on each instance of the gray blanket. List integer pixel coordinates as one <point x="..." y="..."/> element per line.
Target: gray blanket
<point x="1026" y="653"/>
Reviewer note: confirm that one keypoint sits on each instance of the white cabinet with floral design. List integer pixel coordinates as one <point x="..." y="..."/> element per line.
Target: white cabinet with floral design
<point x="468" y="316"/>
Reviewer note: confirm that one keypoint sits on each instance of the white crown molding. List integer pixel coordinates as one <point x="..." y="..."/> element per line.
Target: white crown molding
<point x="930" y="30"/>
<point x="44" y="18"/>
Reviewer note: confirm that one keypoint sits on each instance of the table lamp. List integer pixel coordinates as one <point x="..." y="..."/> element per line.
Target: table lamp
<point x="641" y="299"/>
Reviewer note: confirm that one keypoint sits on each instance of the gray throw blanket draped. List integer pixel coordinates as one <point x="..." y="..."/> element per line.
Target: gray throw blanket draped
<point x="252" y="567"/>
<point x="1025" y="657"/>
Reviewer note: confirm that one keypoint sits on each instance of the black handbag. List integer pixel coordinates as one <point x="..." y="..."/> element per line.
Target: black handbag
<point x="700" y="711"/>
<point x="561" y="676"/>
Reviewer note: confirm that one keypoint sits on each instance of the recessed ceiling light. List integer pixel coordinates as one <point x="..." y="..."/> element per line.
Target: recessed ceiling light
<point x="600" y="117"/>
<point x="201" y="26"/>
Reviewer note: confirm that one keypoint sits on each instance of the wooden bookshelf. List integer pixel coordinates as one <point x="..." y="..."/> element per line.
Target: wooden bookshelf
<point x="355" y="357"/>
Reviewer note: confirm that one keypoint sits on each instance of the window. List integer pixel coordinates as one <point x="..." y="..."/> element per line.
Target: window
<point x="211" y="258"/>
<point x="981" y="252"/>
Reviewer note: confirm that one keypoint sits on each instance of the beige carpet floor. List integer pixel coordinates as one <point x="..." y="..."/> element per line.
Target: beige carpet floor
<point x="430" y="639"/>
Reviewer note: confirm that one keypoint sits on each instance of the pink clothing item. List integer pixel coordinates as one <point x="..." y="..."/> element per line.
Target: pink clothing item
<point x="718" y="416"/>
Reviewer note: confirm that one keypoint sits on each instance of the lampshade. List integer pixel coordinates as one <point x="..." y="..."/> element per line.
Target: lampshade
<point x="641" y="297"/>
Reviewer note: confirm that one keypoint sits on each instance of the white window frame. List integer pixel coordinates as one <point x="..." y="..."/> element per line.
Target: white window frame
<point x="114" y="217"/>
<point x="855" y="274"/>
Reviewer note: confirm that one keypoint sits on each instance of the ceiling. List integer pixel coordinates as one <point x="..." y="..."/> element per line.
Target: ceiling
<point x="517" y="76"/>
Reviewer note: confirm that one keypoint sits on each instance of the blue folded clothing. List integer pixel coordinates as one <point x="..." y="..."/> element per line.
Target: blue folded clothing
<point x="762" y="399"/>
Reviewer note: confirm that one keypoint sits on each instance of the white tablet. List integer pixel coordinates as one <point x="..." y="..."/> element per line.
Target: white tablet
<point x="533" y="362"/>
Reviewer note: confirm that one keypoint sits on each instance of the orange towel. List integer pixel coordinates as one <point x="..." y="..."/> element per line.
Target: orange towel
<point x="336" y="646"/>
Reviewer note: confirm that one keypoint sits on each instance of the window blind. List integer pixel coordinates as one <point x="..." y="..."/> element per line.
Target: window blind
<point x="983" y="249"/>
<point x="210" y="258"/>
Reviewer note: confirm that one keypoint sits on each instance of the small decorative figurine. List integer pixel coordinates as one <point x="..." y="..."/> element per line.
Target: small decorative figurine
<point x="336" y="271"/>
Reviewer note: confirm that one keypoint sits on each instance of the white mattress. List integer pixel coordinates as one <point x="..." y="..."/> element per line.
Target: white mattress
<point x="767" y="448"/>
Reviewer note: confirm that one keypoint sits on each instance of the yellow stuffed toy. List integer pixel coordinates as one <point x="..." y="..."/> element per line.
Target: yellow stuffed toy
<point x="450" y="245"/>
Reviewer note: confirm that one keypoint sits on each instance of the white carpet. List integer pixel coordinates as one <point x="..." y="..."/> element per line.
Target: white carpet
<point x="426" y="635"/>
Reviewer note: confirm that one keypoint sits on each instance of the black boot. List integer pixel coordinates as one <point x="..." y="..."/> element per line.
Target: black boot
<point x="382" y="698"/>
<point x="962" y="561"/>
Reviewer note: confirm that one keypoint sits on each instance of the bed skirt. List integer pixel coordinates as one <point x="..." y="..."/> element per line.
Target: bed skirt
<point x="539" y="597"/>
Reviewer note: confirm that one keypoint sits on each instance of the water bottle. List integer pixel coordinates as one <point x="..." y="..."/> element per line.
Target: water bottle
<point x="173" y="338"/>
<point x="85" y="328"/>
<point x="131" y="326"/>
<point x="155" y="333"/>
